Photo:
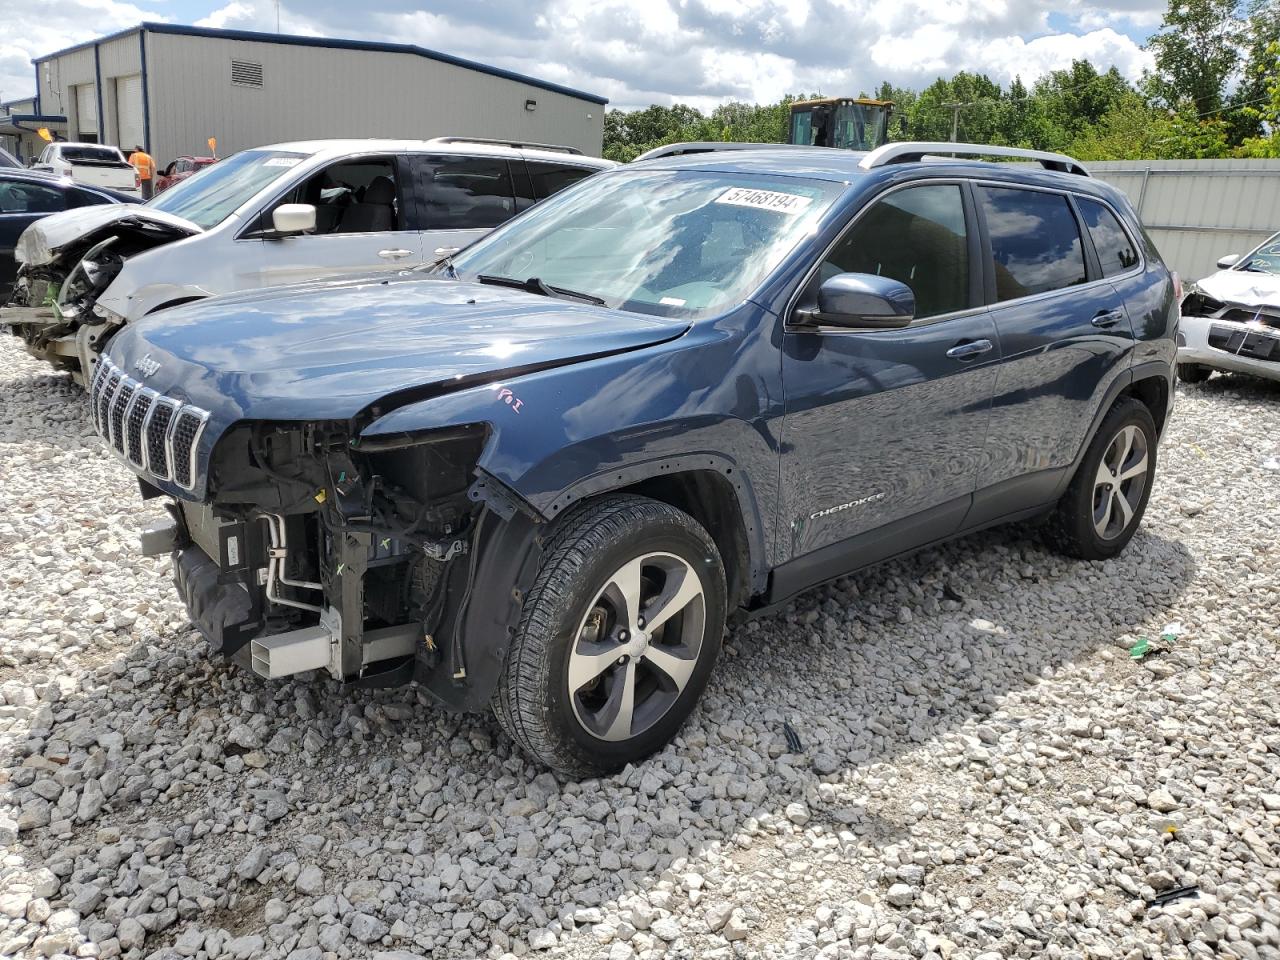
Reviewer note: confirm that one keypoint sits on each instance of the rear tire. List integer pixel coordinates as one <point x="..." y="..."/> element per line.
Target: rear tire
<point x="1102" y="508"/>
<point x="590" y="683"/>
<point x="1194" y="372"/>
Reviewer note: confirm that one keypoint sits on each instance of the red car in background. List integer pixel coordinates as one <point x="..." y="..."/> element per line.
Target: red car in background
<point x="180" y="169"/>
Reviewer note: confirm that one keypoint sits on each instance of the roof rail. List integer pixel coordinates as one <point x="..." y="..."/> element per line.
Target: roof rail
<point x="909" y="152"/>
<point x="705" y="146"/>
<point x="517" y="144"/>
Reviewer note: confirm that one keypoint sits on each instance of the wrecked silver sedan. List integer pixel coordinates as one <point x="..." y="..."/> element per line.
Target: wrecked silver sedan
<point x="1231" y="319"/>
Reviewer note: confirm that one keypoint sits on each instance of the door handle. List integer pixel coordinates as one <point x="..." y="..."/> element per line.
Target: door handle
<point x="446" y="251"/>
<point x="969" y="349"/>
<point x="1108" y="318"/>
<point x="398" y="253"/>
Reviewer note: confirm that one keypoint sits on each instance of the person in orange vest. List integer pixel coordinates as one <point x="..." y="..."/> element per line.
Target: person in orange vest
<point x="146" y="167"/>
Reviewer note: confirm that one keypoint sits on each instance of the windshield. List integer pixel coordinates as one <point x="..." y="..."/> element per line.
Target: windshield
<point x="91" y="154"/>
<point x="218" y="190"/>
<point x="673" y="243"/>
<point x="1266" y="259"/>
<point x="857" y="126"/>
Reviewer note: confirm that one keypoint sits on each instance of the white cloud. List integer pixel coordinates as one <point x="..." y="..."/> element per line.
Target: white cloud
<point x="1008" y="56"/>
<point x="36" y="27"/>
<point x="638" y="52"/>
<point x="232" y="13"/>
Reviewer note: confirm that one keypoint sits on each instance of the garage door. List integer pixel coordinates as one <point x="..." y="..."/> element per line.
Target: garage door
<point x="87" y="112"/>
<point x="129" y="111"/>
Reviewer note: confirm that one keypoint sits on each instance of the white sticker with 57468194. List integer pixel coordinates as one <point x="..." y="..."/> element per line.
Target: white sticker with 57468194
<point x="790" y="203"/>
<point x="283" y="162"/>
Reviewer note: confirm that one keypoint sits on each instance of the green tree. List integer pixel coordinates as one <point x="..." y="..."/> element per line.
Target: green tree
<point x="1259" y="68"/>
<point x="1079" y="97"/>
<point x="1267" y="114"/>
<point x="904" y="101"/>
<point x="627" y="135"/>
<point x="1197" y="52"/>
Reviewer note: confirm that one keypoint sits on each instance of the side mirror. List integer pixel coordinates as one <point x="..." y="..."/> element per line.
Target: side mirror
<point x="1230" y="260"/>
<point x="861" y="301"/>
<point x="293" y="218"/>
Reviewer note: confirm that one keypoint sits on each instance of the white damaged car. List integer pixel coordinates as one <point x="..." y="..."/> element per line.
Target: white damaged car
<point x="270" y="216"/>
<point x="1231" y="319"/>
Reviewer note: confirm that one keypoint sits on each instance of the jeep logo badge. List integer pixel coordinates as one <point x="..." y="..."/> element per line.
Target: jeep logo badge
<point x="146" y="366"/>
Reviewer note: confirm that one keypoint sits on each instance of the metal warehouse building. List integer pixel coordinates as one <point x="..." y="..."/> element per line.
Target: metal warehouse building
<point x="171" y="88"/>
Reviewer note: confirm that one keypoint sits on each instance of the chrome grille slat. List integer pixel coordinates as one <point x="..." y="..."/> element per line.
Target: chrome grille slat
<point x="155" y="433"/>
<point x="119" y="404"/>
<point x="139" y="411"/>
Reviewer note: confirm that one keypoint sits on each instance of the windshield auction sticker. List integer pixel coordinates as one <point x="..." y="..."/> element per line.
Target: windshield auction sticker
<point x="789" y="203"/>
<point x="282" y="162"/>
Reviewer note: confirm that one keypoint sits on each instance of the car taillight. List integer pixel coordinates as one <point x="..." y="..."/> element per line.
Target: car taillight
<point x="1177" y="286"/>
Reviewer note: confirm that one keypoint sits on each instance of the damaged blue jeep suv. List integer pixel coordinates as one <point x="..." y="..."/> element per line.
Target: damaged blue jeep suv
<point x="539" y="476"/>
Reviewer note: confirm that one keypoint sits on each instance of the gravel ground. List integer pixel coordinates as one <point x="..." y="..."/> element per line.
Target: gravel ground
<point x="951" y="757"/>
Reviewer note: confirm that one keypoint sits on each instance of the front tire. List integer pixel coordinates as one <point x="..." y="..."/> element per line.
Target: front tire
<point x="618" y="636"/>
<point x="1100" y="512"/>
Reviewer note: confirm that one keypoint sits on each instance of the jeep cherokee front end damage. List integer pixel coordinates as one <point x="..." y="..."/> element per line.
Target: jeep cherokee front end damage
<point x="320" y="529"/>
<point x="311" y="554"/>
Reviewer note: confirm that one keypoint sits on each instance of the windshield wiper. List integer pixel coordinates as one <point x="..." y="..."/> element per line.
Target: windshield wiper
<point x="535" y="285"/>
<point x="444" y="263"/>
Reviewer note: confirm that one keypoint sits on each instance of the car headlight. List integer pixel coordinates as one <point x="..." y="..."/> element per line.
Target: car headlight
<point x="107" y="314"/>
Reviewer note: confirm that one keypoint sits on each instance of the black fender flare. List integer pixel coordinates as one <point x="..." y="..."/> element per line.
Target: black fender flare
<point x="1149" y="370"/>
<point x="476" y="635"/>
<point x="747" y="505"/>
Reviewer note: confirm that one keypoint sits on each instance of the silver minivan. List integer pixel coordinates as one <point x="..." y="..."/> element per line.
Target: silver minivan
<point x="268" y="216"/>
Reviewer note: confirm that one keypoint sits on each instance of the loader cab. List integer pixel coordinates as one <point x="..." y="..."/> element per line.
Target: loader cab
<point x="842" y="122"/>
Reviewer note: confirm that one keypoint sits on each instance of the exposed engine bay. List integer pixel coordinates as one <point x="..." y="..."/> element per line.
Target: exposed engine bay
<point x="313" y="555"/>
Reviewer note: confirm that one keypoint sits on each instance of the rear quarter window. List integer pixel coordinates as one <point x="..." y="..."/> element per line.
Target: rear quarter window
<point x="1116" y="250"/>
<point x="549" y="178"/>
<point x="1035" y="241"/>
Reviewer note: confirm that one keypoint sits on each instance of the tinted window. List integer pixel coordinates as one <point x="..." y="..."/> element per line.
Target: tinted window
<point x="465" y="193"/>
<point x="916" y="236"/>
<point x="549" y="178"/>
<point x="92" y="154"/>
<point x="1116" y="252"/>
<point x="29" y="198"/>
<point x="1034" y="239"/>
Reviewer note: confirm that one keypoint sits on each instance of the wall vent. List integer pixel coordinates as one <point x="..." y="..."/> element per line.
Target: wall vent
<point x="246" y="73"/>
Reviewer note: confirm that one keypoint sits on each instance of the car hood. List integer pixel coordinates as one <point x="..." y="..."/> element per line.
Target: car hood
<point x="45" y="240"/>
<point x="330" y="350"/>
<point x="1242" y="287"/>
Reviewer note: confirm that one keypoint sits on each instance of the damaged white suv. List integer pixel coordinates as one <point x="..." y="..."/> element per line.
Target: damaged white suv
<point x="269" y="216"/>
<point x="1231" y="319"/>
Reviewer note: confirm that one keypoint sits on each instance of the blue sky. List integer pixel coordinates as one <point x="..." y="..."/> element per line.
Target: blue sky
<point x="637" y="52"/>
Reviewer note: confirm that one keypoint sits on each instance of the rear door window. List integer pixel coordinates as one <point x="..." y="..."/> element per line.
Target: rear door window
<point x="465" y="193"/>
<point x="1035" y="241"/>
<point x="549" y="178"/>
<point x="1116" y="250"/>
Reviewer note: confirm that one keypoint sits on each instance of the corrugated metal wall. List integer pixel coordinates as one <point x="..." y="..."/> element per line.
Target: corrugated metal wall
<point x="1200" y="210"/>
<point x="57" y="76"/>
<point x="315" y="92"/>
<point x="121" y="57"/>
